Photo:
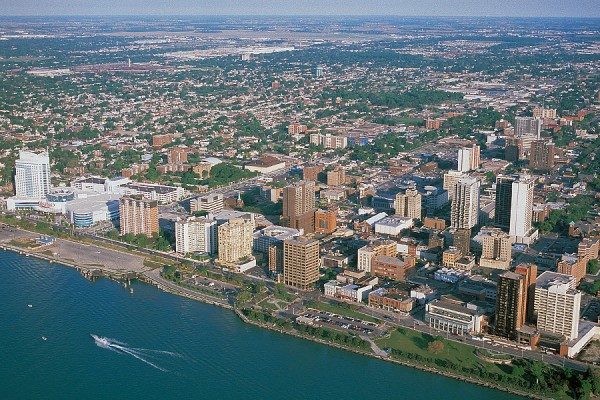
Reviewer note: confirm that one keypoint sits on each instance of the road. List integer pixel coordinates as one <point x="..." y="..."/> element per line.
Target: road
<point x="161" y="283"/>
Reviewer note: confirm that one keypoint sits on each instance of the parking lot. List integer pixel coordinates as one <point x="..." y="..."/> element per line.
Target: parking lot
<point x="593" y="311"/>
<point x="338" y="322"/>
<point x="210" y="285"/>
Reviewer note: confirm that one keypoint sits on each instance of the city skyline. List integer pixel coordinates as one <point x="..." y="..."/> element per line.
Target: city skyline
<point x="425" y="8"/>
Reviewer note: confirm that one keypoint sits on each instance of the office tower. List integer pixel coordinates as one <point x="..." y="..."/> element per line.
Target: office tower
<point x="196" y="235"/>
<point x="301" y="262"/>
<point x="496" y="249"/>
<point x="326" y="221"/>
<point x="450" y="180"/>
<point x="210" y="203"/>
<point x="32" y="175"/>
<point x="513" y="149"/>
<point x="521" y="208"/>
<point x="462" y="240"/>
<point x="541" y="156"/>
<point x="465" y="207"/>
<point x="529" y="271"/>
<point x="408" y="204"/>
<point x="235" y="240"/>
<point x="503" y="201"/>
<point x="557" y="304"/>
<point x="299" y="206"/>
<point x="138" y="215"/>
<point x="511" y="304"/>
<point x="469" y="158"/>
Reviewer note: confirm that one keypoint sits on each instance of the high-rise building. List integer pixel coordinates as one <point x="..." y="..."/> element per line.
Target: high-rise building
<point x="541" y="112"/>
<point x="138" y="215"/>
<point x="503" y="201"/>
<point x="521" y="208"/>
<point x="513" y="149"/>
<point x="177" y="155"/>
<point x="32" y="175"/>
<point x="461" y="239"/>
<point x="529" y="271"/>
<point x="326" y="221"/>
<point x="319" y="71"/>
<point x="557" y="304"/>
<point x="528" y="126"/>
<point x="408" y="204"/>
<point x="210" y="203"/>
<point x="528" y="129"/>
<point x="299" y="206"/>
<point x="312" y="173"/>
<point x="541" y="156"/>
<point x="196" y="235"/>
<point x="235" y="240"/>
<point x="469" y="158"/>
<point x="465" y="207"/>
<point x="450" y="180"/>
<point x="336" y="177"/>
<point x="511" y="304"/>
<point x="496" y="249"/>
<point x="301" y="262"/>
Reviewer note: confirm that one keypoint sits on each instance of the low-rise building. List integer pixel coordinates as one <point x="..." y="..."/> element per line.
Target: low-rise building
<point x="392" y="267"/>
<point x="454" y="318"/>
<point x="390" y="301"/>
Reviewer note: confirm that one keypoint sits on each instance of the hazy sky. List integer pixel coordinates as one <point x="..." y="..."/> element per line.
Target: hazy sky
<point x="542" y="8"/>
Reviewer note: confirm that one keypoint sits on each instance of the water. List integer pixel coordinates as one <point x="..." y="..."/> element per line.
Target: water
<point x="155" y="345"/>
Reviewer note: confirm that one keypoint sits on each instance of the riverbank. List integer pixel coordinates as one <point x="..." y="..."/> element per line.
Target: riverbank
<point x="388" y="358"/>
<point x="153" y="277"/>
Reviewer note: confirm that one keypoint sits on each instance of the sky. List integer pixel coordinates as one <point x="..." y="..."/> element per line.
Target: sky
<point x="512" y="8"/>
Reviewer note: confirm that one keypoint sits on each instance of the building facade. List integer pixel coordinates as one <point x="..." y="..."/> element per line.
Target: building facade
<point x="408" y="204"/>
<point x="235" y="240"/>
<point x="301" y="262"/>
<point x="557" y="304"/>
<point x="465" y="207"/>
<point x="196" y="235"/>
<point x="32" y="175"/>
<point x="511" y="304"/>
<point x="138" y="215"/>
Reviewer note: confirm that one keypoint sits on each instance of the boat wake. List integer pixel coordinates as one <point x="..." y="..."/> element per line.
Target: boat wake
<point x="139" y="353"/>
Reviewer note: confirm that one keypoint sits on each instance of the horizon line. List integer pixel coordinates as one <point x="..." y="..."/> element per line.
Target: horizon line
<point x="292" y="15"/>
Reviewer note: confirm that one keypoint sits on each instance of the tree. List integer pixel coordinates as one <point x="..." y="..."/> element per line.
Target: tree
<point x="436" y="347"/>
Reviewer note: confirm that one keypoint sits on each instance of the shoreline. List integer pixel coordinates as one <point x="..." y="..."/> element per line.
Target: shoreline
<point x="149" y="280"/>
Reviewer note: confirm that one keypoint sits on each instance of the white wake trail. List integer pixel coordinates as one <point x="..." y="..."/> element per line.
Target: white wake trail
<point x="139" y="357"/>
<point x="115" y="345"/>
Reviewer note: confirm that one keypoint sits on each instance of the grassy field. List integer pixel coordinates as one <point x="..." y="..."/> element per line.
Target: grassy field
<point x="342" y="309"/>
<point x="266" y="304"/>
<point x="461" y="359"/>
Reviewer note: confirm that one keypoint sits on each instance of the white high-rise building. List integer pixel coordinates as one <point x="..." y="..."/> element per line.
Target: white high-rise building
<point x="469" y="158"/>
<point x="196" y="235"/>
<point x="32" y="178"/>
<point x="465" y="207"/>
<point x="521" y="208"/>
<point x="450" y="179"/>
<point x="557" y="304"/>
